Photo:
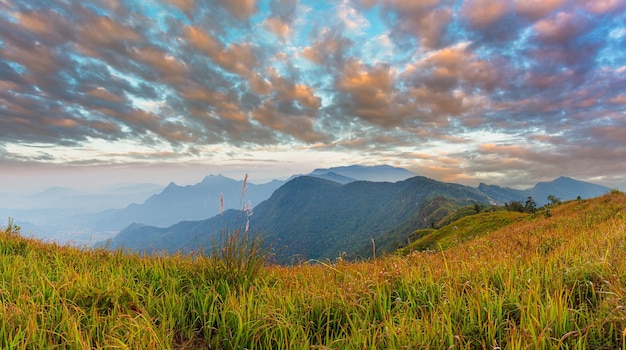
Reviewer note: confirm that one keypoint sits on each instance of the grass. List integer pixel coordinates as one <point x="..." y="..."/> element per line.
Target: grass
<point x="464" y="229"/>
<point x="536" y="282"/>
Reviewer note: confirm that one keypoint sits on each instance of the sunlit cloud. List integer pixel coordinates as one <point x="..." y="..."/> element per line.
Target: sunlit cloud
<point x="462" y="91"/>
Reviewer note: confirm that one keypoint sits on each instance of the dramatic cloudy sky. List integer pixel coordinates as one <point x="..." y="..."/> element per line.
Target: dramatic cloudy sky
<point x="503" y="92"/>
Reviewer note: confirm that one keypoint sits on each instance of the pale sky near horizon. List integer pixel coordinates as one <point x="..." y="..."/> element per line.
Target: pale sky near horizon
<point x="125" y="91"/>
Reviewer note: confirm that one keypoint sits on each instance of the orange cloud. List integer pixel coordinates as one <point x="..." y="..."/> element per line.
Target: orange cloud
<point x="298" y="126"/>
<point x="186" y="5"/>
<point x="483" y="13"/>
<point x="287" y="91"/>
<point x="537" y="8"/>
<point x="426" y="20"/>
<point x="236" y="58"/>
<point x="170" y="68"/>
<point x="619" y="100"/>
<point x="103" y="31"/>
<point x="603" y="6"/>
<point x="370" y="91"/>
<point x="278" y="27"/>
<point x="241" y="9"/>
<point x="104" y="94"/>
<point x="559" y="28"/>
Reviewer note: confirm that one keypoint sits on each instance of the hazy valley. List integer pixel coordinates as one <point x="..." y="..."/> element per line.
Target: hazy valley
<point x="351" y="211"/>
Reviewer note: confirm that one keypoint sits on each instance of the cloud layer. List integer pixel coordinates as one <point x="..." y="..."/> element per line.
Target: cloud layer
<point x="482" y="89"/>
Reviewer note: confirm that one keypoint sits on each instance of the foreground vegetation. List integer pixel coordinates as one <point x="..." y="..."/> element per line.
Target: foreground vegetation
<point x="536" y="282"/>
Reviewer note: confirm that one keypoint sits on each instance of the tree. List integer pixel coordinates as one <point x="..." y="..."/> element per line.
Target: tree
<point x="548" y="213"/>
<point x="478" y="207"/>
<point x="554" y="199"/>
<point x="515" y="206"/>
<point x="530" y="206"/>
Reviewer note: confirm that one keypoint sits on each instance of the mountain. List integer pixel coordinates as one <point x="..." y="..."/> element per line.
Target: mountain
<point x="379" y="173"/>
<point x="332" y="176"/>
<point x="179" y="203"/>
<point x="564" y="188"/>
<point x="313" y="218"/>
<point x="195" y="202"/>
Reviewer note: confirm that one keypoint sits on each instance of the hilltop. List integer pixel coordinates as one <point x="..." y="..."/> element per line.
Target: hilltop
<point x="538" y="281"/>
<point x="313" y="217"/>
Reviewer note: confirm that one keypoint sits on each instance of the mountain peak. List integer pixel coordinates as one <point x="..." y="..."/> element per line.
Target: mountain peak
<point x="376" y="173"/>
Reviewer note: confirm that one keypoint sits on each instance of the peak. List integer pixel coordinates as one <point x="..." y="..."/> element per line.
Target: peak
<point x="564" y="178"/>
<point x="213" y="178"/>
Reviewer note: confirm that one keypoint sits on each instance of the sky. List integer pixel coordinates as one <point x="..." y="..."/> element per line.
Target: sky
<point x="123" y="91"/>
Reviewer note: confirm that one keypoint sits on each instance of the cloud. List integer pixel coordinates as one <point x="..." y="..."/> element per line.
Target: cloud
<point x="351" y="18"/>
<point x="561" y="28"/>
<point x="483" y="13"/>
<point x="329" y="51"/>
<point x="281" y="17"/>
<point x="383" y="78"/>
<point x="535" y="9"/>
<point x="279" y="27"/>
<point x="368" y="93"/>
<point x="603" y="6"/>
<point x="236" y="58"/>
<point x="425" y="21"/>
<point x="241" y="9"/>
<point x="188" y="6"/>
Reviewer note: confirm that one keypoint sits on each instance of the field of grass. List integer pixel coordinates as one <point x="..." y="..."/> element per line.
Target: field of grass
<point x="537" y="282"/>
<point x="464" y="229"/>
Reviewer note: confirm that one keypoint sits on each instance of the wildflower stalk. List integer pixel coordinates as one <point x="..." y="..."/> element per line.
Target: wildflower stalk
<point x="238" y="256"/>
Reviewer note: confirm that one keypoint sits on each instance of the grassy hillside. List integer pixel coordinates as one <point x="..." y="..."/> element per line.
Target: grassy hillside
<point x="464" y="229"/>
<point x="538" y="282"/>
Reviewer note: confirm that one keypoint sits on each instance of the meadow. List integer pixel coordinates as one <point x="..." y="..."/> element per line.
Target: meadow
<point x="538" y="281"/>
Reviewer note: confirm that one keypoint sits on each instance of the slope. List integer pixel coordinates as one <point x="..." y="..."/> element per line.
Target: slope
<point x="540" y="283"/>
<point x="312" y="218"/>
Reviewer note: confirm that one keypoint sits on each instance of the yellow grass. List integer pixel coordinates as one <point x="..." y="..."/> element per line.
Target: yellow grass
<point x="540" y="282"/>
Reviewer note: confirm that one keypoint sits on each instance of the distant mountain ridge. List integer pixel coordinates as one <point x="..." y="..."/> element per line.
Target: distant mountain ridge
<point x="377" y="173"/>
<point x="562" y="187"/>
<point x="183" y="203"/>
<point x="315" y="218"/>
<point x="200" y="201"/>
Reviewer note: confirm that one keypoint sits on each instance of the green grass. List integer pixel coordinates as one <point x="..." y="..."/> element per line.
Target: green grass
<point x="461" y="230"/>
<point x="532" y="283"/>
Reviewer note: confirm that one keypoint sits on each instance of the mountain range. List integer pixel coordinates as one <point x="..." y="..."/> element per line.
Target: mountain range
<point x="179" y="203"/>
<point x="202" y="200"/>
<point x="352" y="203"/>
<point x="69" y="215"/>
<point x="351" y="173"/>
<point x="315" y="218"/>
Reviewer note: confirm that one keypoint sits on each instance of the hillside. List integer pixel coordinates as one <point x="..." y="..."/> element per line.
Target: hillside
<point x="539" y="282"/>
<point x="461" y="230"/>
<point x="313" y="218"/>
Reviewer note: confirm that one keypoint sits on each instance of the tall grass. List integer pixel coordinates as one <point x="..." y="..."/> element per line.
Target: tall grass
<point x="538" y="283"/>
<point x="237" y="256"/>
